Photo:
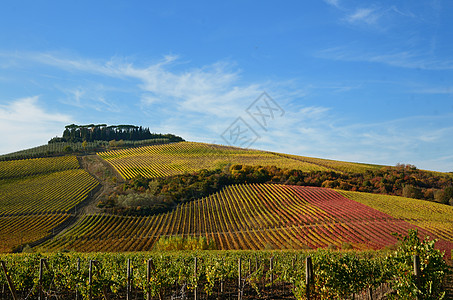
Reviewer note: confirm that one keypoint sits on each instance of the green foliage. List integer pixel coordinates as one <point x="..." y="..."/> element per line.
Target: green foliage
<point x="102" y="132"/>
<point x="432" y="266"/>
<point x="67" y="149"/>
<point x="140" y="204"/>
<point x="444" y="196"/>
<point x="337" y="275"/>
<point x="176" y="189"/>
<point x="184" y="243"/>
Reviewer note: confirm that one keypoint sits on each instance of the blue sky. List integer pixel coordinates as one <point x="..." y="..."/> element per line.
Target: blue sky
<point x="366" y="81"/>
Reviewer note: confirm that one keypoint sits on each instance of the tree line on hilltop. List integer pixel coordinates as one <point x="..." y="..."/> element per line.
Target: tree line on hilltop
<point x="142" y="196"/>
<point x="101" y="132"/>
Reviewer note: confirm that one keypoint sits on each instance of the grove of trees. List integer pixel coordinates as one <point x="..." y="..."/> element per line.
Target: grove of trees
<point x="101" y="132"/>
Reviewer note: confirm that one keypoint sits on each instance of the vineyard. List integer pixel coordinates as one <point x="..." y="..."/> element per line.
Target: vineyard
<point x="21" y="230"/>
<point x="55" y="192"/>
<point x="27" y="167"/>
<point x="63" y="148"/>
<point x="36" y="196"/>
<point x="177" y="158"/>
<point x="336" y="165"/>
<point x="253" y="216"/>
<point x="229" y="274"/>
<point x="433" y="217"/>
<point x="244" y="202"/>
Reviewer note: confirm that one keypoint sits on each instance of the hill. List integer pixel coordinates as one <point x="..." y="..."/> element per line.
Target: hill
<point x="37" y="196"/>
<point x="260" y="216"/>
<point x="236" y="198"/>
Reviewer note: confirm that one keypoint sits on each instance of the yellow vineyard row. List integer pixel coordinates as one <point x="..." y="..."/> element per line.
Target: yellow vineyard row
<point x="177" y="158"/>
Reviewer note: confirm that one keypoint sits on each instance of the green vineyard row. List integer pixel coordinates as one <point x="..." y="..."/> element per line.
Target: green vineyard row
<point x="252" y="274"/>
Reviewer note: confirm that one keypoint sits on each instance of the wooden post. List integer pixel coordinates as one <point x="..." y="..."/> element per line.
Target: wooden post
<point x="308" y="275"/>
<point x="417" y="272"/>
<point x="77" y="286"/>
<point x="148" y="277"/>
<point x="256" y="263"/>
<point x="128" y="288"/>
<point x="271" y="268"/>
<point x="10" y="283"/>
<point x="195" y="291"/>
<point x="90" y="277"/>
<point x="239" y="280"/>
<point x="250" y="266"/>
<point x="41" y="270"/>
<point x="221" y="281"/>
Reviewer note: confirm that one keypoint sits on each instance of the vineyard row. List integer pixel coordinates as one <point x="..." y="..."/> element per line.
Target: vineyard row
<point x="247" y="217"/>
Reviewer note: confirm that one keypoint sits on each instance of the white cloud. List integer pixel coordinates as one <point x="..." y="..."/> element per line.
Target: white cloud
<point x="24" y="124"/>
<point x="200" y="103"/>
<point x="366" y="15"/>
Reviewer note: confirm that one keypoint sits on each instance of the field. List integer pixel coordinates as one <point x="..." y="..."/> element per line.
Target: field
<point x="37" y="195"/>
<point x="339" y="166"/>
<point x="26" y="167"/>
<point x="434" y="217"/>
<point x="177" y="158"/>
<point x="218" y="274"/>
<point x="250" y="216"/>
<point x="62" y="148"/>
<point x="22" y="230"/>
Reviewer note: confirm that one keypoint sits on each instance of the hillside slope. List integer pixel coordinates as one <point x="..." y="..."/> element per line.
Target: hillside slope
<point x="38" y="195"/>
<point x="250" y="216"/>
<point x="177" y="158"/>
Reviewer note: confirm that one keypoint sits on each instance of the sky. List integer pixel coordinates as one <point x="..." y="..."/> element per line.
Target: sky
<point x="362" y="81"/>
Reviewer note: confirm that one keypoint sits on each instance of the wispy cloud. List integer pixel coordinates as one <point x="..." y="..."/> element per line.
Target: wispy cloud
<point x="200" y="103"/>
<point x="335" y="3"/>
<point x="436" y="90"/>
<point x="366" y="15"/>
<point x="403" y="59"/>
<point x="24" y="123"/>
<point x="377" y="16"/>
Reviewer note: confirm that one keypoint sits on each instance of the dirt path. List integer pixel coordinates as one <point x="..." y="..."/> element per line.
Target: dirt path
<point x="107" y="176"/>
<point x="108" y="179"/>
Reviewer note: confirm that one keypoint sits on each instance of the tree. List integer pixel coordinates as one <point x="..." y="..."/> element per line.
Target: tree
<point x="444" y="196"/>
<point x="410" y="191"/>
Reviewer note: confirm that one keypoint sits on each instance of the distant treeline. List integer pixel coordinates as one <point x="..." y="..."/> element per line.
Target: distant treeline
<point x="148" y="196"/>
<point x="101" y="132"/>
